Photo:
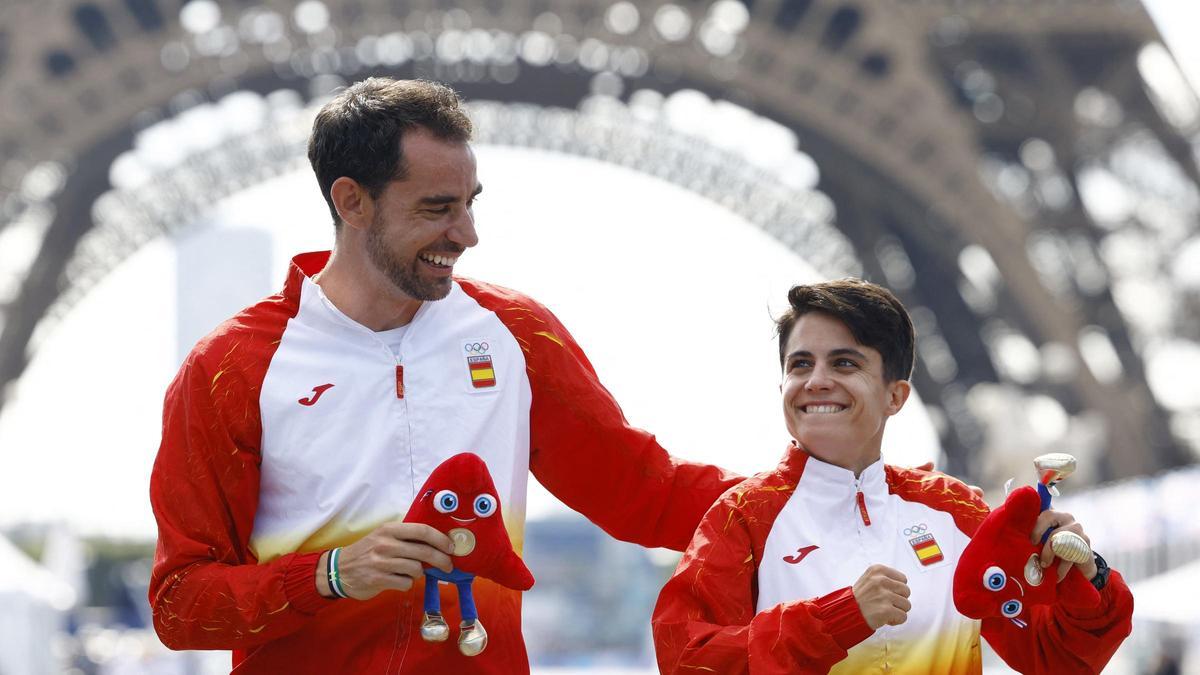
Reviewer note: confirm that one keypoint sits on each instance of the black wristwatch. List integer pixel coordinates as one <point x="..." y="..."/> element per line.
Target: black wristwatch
<point x="1101" y="578"/>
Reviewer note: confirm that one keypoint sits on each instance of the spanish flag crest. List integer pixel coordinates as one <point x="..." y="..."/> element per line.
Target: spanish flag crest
<point x="480" y="367"/>
<point x="927" y="549"/>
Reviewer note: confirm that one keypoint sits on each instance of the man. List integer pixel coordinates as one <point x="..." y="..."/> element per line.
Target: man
<point x="811" y="568"/>
<point x="306" y="423"/>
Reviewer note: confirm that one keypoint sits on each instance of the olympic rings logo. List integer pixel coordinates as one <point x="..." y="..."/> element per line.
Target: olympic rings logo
<point x="476" y="347"/>
<point x="916" y="529"/>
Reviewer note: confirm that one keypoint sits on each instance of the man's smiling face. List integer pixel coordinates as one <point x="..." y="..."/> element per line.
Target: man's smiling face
<point x="423" y="223"/>
<point x="836" y="399"/>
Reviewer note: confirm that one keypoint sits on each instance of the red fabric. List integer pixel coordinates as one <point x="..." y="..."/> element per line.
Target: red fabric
<point x="1071" y="628"/>
<point x="206" y="588"/>
<point x="299" y="584"/>
<point x="207" y="591"/>
<point x="467" y="477"/>
<point x="1063" y="639"/>
<point x="584" y="451"/>
<point x="1078" y="635"/>
<point x="940" y="492"/>
<point x="1001" y="548"/>
<point x="705" y="620"/>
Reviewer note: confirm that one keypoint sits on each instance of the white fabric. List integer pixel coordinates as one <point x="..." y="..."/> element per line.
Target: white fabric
<point x="356" y="457"/>
<point x="393" y="338"/>
<point x="824" y="511"/>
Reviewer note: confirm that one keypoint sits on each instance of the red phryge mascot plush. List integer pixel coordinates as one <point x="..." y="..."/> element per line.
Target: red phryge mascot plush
<point x="460" y="499"/>
<point x="998" y="573"/>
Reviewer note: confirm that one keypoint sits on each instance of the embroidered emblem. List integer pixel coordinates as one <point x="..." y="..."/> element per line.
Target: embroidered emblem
<point x="479" y="364"/>
<point x="924" y="545"/>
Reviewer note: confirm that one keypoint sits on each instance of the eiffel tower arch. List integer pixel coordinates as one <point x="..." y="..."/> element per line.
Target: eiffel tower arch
<point x="956" y="140"/>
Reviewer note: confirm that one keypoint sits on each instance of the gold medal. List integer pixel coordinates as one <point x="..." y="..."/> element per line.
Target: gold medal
<point x="464" y="541"/>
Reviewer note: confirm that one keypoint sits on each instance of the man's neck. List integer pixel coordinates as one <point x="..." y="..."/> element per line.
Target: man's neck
<point x="363" y="293"/>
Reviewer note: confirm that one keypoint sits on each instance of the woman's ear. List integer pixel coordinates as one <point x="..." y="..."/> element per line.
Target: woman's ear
<point x="898" y="392"/>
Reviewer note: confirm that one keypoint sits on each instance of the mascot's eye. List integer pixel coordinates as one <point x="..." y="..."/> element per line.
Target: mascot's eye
<point x="994" y="578"/>
<point x="445" y="501"/>
<point x="485" y="505"/>
<point x="1011" y="608"/>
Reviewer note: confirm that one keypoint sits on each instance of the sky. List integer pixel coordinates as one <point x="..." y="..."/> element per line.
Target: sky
<point x="1177" y="21"/>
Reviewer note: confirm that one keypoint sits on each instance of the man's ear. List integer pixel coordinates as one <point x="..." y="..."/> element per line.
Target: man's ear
<point x="898" y="392"/>
<point x="353" y="204"/>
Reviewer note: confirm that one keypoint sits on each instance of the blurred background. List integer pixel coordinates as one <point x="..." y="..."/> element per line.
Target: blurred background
<point x="1023" y="174"/>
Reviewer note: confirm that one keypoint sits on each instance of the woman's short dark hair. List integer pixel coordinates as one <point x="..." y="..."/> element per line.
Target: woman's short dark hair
<point x="357" y="134"/>
<point x="874" y="316"/>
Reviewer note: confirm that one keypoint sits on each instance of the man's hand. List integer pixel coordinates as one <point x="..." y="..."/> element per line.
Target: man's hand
<point x="1062" y="521"/>
<point x="390" y="557"/>
<point x="882" y="596"/>
<point x="928" y="466"/>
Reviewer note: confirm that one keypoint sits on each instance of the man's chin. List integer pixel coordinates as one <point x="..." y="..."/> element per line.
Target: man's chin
<point x="429" y="291"/>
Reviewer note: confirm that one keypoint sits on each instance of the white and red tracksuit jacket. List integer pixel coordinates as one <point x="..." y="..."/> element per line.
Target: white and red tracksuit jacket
<point x="765" y="586"/>
<point x="291" y="429"/>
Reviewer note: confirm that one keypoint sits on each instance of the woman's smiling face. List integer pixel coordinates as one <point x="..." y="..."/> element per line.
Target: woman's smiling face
<point x="836" y="399"/>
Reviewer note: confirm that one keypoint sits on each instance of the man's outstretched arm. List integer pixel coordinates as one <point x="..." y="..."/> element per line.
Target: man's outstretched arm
<point x="584" y="451"/>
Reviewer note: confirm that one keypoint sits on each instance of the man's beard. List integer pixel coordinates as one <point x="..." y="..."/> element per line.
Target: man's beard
<point x="404" y="277"/>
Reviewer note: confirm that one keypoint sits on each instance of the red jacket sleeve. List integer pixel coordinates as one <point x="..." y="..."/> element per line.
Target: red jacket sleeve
<point x="1063" y="639"/>
<point x="206" y="589"/>
<point x="1059" y="638"/>
<point x="584" y="451"/>
<point x="705" y="619"/>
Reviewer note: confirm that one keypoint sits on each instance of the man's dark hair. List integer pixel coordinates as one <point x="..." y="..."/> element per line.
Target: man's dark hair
<point x="357" y="134"/>
<point x="874" y="316"/>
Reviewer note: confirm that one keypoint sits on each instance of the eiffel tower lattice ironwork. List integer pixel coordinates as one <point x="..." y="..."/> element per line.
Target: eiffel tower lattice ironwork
<point x="958" y="140"/>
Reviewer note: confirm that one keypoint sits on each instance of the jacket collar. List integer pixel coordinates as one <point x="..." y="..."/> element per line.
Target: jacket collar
<point x="317" y="309"/>
<point x="872" y="480"/>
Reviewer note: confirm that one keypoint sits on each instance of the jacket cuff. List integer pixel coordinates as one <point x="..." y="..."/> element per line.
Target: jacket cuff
<point x="300" y="585"/>
<point x="842" y="618"/>
<point x="1113" y="598"/>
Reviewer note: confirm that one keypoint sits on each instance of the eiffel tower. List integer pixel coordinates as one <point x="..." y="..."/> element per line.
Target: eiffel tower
<point x="959" y="142"/>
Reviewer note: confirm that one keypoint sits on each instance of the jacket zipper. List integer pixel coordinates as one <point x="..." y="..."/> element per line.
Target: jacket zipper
<point x="862" y="505"/>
